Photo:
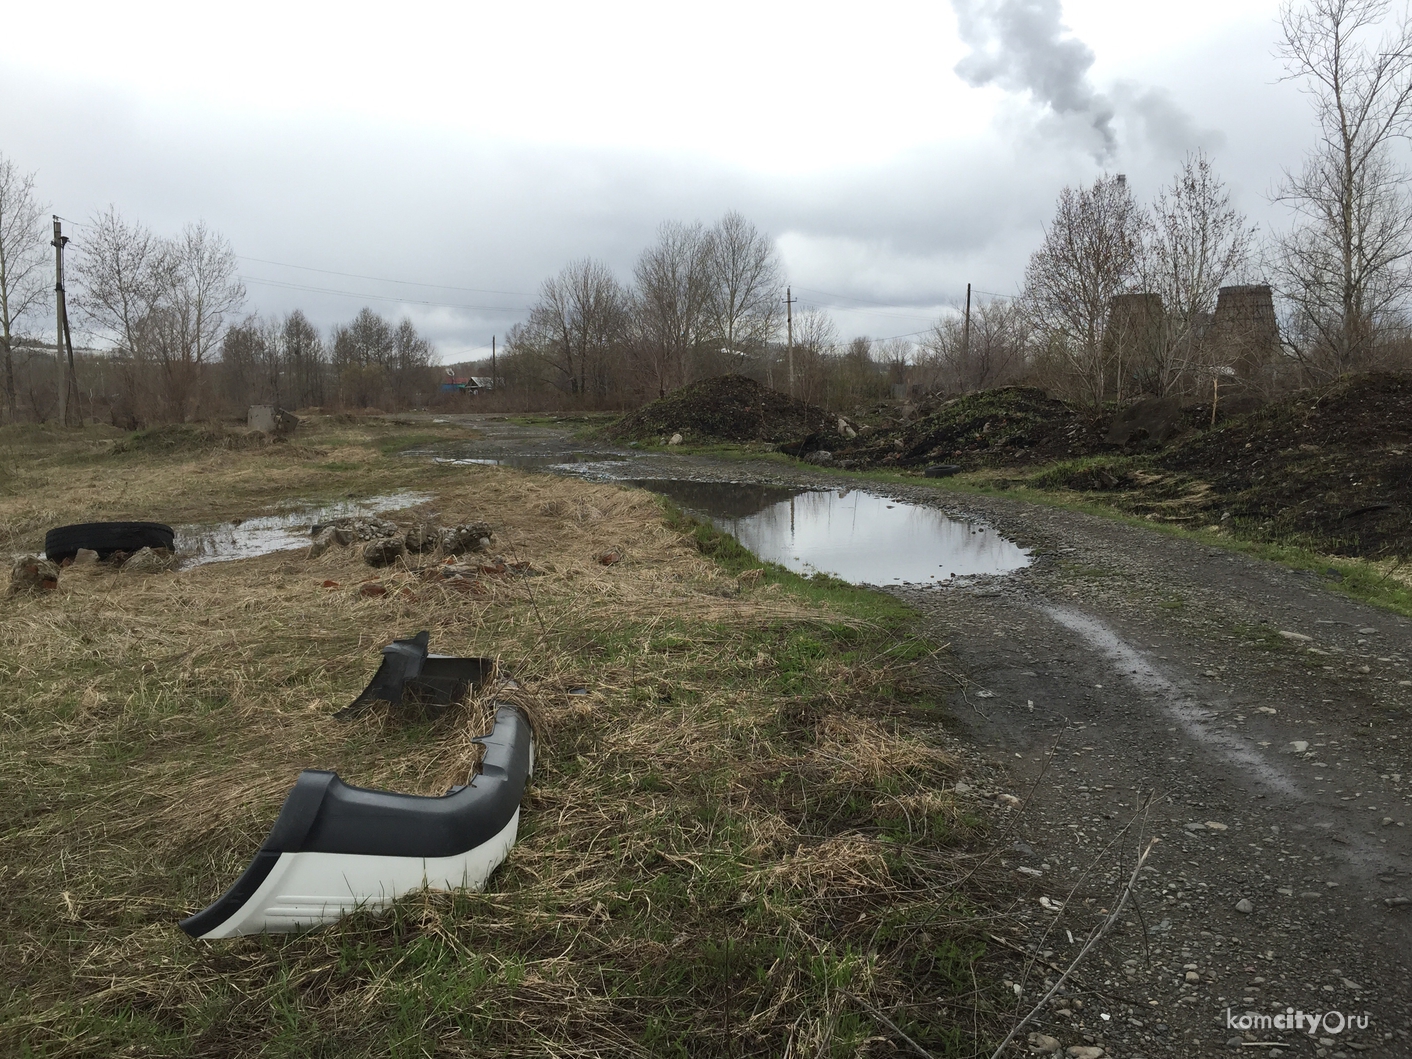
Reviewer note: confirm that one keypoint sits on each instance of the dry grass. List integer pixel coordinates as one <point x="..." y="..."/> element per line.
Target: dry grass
<point x="740" y="827"/>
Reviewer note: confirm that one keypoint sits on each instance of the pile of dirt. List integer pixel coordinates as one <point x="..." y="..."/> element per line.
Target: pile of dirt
<point x="726" y="408"/>
<point x="1331" y="466"/>
<point x="1013" y="424"/>
<point x="186" y="437"/>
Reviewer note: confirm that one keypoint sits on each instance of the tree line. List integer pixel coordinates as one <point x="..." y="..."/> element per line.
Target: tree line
<point x="174" y="342"/>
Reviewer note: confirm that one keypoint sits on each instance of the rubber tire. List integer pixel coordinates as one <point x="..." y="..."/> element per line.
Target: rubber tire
<point x="105" y="538"/>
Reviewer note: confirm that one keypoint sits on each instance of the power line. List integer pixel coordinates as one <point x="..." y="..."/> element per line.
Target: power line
<point x="867" y="301"/>
<point x="849" y="298"/>
<point x="385" y="279"/>
<point x="377" y="297"/>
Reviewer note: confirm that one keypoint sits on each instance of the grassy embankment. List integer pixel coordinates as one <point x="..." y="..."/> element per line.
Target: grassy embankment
<point x="737" y="843"/>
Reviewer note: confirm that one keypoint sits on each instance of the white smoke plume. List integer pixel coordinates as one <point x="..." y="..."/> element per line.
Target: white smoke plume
<point x="1023" y="46"/>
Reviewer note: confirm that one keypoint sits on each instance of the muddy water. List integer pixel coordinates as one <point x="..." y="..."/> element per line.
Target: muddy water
<point x="198" y="544"/>
<point x="854" y="535"/>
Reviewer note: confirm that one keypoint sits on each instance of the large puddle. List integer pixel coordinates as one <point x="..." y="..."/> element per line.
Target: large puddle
<point x="854" y="535"/>
<point x="246" y="538"/>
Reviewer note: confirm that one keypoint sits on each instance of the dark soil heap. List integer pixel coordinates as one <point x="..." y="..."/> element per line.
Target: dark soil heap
<point x="726" y="408"/>
<point x="1332" y="465"/>
<point x="1013" y="424"/>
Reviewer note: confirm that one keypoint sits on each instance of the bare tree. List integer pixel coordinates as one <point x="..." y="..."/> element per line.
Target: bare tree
<point x="576" y="329"/>
<point x="121" y="272"/>
<point x="1342" y="267"/>
<point x="744" y="273"/>
<point x="1088" y="257"/>
<point x="993" y="354"/>
<point x="413" y="356"/>
<point x="1196" y="243"/>
<point x="674" y="304"/>
<point x="305" y="360"/>
<point x="22" y="257"/>
<point x="203" y="290"/>
<point x="246" y="377"/>
<point x="362" y="354"/>
<point x="815" y="348"/>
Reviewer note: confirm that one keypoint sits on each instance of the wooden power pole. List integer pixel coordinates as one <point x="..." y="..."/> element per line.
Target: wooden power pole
<point x="493" y="376"/>
<point x="966" y="333"/>
<point x="789" y="331"/>
<point x="61" y="320"/>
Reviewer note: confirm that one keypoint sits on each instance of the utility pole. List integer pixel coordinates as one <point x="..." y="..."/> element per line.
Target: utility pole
<point x="789" y="325"/>
<point x="61" y="320"/>
<point x="493" y="377"/>
<point x="966" y="333"/>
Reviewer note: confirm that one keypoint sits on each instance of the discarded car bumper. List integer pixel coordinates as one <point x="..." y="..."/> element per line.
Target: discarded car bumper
<point x="336" y="848"/>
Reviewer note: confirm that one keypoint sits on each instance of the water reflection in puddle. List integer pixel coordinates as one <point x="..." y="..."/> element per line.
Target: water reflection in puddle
<point x="857" y="536"/>
<point x="201" y="544"/>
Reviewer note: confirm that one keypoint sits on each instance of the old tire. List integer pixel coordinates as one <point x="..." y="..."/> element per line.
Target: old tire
<point x="105" y="538"/>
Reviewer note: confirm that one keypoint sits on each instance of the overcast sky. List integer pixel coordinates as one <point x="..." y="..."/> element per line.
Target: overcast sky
<point x="440" y="160"/>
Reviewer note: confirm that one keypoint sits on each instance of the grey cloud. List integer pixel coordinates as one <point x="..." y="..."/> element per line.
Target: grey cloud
<point x="1021" y="46"/>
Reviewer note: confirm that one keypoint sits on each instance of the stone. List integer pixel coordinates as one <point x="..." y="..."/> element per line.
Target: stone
<point x="1244" y="907"/>
<point x="356" y="528"/>
<point x="85" y="557"/>
<point x="326" y="539"/>
<point x="675" y="439"/>
<point x="372" y="588"/>
<point x="1300" y="745"/>
<point x="1297" y="637"/>
<point x="147" y="561"/>
<point x="423" y="537"/>
<point x="1043" y="1044"/>
<point x="1235" y="1042"/>
<point x="30" y="573"/>
<point x="468" y="537"/>
<point x="1085" y="1051"/>
<point x="384" y="551"/>
<point x="819" y="457"/>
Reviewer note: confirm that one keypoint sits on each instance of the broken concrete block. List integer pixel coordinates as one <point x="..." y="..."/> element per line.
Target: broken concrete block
<point x="30" y="573"/>
<point x="384" y="551"/>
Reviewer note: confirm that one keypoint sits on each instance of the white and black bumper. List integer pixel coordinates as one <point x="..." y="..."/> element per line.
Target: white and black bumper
<point x="336" y="848"/>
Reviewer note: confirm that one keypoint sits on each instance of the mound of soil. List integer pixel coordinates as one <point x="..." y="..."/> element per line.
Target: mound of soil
<point x="1328" y="465"/>
<point x="726" y="408"/>
<point x="185" y="437"/>
<point x="1013" y="424"/>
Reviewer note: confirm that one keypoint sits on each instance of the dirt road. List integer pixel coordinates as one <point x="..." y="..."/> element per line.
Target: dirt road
<point x="1131" y="686"/>
<point x="1264" y="722"/>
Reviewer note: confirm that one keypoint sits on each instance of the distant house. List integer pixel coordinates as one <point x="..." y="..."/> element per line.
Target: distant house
<point x="471" y="384"/>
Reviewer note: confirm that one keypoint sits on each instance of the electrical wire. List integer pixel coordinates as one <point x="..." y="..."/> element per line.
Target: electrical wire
<point x="376" y="297"/>
<point x="386" y="279"/>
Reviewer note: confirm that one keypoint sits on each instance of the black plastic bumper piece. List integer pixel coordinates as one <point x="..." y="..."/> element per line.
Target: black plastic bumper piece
<point x="408" y="670"/>
<point x="322" y="814"/>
